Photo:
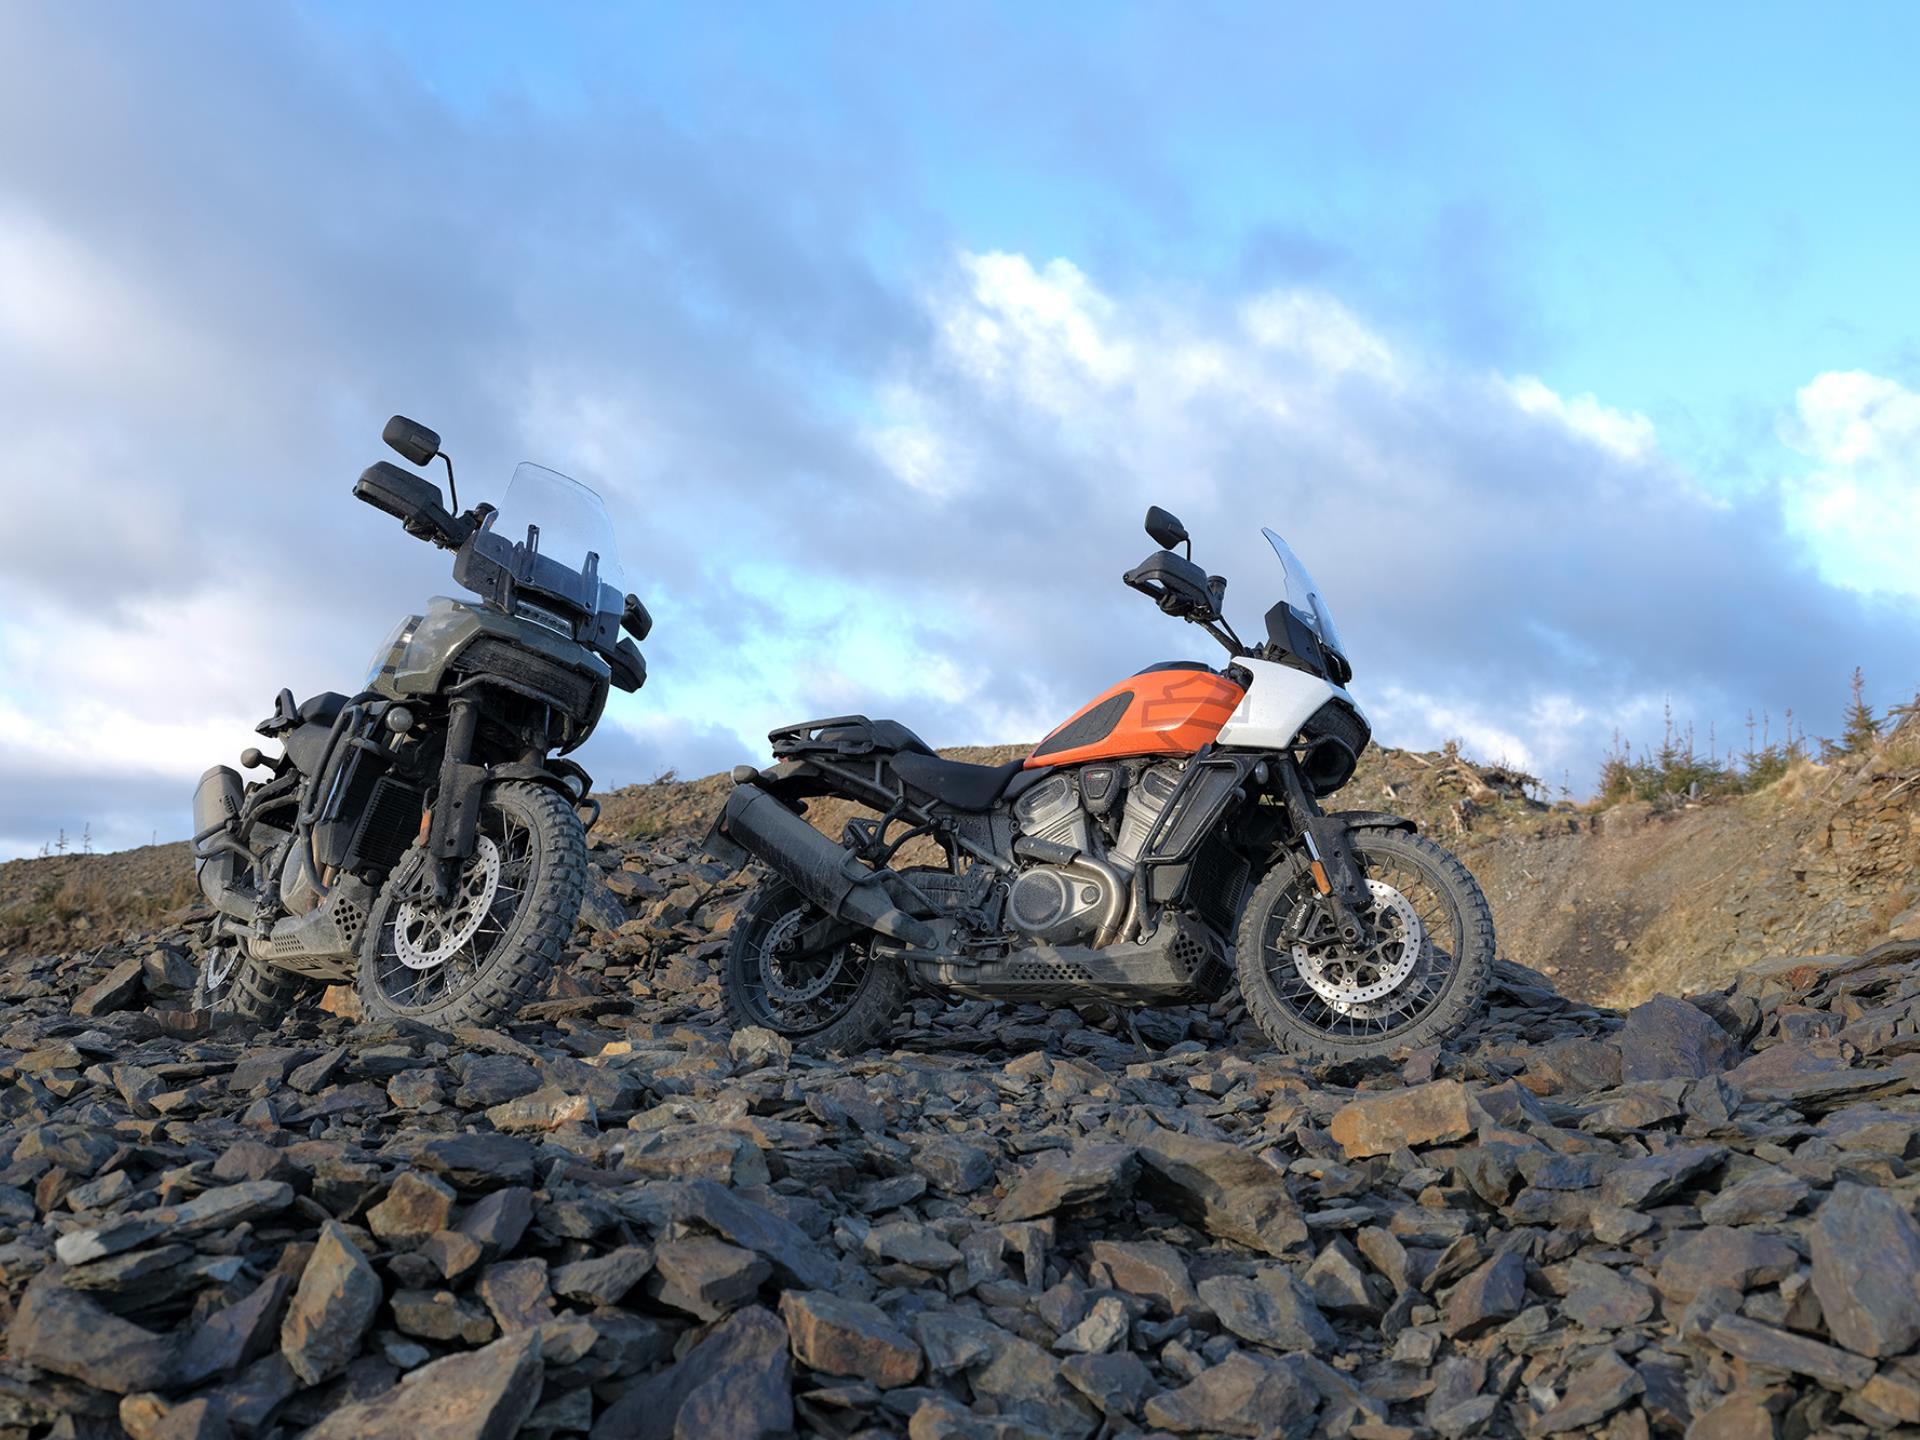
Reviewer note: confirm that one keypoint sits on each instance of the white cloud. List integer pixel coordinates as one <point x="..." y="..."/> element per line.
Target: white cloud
<point x="1859" y="506"/>
<point x="1321" y="331"/>
<point x="1628" y="435"/>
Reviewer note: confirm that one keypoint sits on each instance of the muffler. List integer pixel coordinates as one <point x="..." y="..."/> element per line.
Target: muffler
<point x="216" y="801"/>
<point x="822" y="871"/>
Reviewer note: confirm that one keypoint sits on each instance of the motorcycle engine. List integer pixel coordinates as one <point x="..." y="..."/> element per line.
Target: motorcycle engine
<point x="1146" y="798"/>
<point x="1049" y="902"/>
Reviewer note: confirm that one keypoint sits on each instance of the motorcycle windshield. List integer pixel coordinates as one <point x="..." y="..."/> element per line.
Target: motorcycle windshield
<point x="560" y="519"/>
<point x="1303" y="595"/>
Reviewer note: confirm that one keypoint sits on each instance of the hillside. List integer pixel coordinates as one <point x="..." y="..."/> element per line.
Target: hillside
<point x="1614" y="903"/>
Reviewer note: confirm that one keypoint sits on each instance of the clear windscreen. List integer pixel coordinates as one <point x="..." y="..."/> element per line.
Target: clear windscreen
<point x="1304" y="595"/>
<point x="571" y="519"/>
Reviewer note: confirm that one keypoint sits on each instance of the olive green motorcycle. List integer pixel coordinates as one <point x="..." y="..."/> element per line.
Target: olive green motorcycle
<point x="424" y="840"/>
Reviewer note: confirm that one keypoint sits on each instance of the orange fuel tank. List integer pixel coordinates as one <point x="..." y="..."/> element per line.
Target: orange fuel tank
<point x="1171" y="711"/>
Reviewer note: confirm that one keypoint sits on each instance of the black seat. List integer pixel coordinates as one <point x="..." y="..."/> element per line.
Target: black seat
<point x="963" y="786"/>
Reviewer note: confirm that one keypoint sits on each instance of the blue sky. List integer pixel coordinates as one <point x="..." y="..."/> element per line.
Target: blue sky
<point x="1574" y="350"/>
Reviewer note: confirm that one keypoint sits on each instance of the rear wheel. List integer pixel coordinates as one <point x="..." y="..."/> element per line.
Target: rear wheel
<point x="232" y="985"/>
<point x="1420" y="980"/>
<point x="839" y="999"/>
<point x="476" y="959"/>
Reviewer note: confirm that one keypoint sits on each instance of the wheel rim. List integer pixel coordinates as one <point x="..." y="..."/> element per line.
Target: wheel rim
<point x="793" y="993"/>
<point x="217" y="967"/>
<point x="430" y="953"/>
<point x="1343" y="992"/>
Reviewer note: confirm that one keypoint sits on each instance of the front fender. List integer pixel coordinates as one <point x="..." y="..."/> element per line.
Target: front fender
<point x="1374" y="820"/>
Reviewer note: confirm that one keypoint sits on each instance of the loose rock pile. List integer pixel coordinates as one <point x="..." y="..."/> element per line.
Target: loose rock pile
<point x="619" y="1220"/>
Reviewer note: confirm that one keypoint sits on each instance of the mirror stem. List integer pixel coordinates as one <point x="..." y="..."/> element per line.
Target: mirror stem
<point x="453" y="491"/>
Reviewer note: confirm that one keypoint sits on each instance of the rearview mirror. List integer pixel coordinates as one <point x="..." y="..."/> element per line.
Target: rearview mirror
<point x="1166" y="529"/>
<point x="634" y="618"/>
<point x="415" y="442"/>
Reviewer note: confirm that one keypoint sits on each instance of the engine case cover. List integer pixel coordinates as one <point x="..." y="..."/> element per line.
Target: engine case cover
<point x="1049" y="903"/>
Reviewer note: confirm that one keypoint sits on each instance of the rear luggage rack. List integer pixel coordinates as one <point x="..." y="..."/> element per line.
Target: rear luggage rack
<point x="841" y="735"/>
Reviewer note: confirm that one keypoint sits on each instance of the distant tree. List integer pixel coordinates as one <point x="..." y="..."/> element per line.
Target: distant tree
<point x="86" y="838"/>
<point x="1861" y="726"/>
<point x="60" y="842"/>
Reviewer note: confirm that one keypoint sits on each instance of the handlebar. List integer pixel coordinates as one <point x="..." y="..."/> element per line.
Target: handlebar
<point x="414" y="502"/>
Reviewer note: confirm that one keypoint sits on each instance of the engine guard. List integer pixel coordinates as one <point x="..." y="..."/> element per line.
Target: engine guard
<point x="1182" y="960"/>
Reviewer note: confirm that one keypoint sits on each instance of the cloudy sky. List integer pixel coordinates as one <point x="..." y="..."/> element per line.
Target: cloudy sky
<point x="1575" y="351"/>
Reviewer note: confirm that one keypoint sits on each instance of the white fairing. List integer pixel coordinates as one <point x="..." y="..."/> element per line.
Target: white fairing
<point x="1278" y="702"/>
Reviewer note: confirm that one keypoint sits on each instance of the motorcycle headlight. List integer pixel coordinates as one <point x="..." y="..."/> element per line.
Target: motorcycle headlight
<point x="400" y="635"/>
<point x="540" y="615"/>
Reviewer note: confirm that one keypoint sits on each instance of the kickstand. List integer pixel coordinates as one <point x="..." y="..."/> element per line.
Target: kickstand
<point x="1133" y="1029"/>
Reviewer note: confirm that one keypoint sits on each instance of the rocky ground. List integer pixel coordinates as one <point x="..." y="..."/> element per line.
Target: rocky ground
<point x="616" y="1219"/>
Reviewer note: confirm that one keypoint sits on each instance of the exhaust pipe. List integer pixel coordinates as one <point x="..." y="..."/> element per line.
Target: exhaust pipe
<point x="216" y="801"/>
<point x="822" y="871"/>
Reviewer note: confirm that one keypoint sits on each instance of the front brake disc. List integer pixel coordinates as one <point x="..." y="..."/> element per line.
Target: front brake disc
<point x="1360" y="983"/>
<point x="426" y="934"/>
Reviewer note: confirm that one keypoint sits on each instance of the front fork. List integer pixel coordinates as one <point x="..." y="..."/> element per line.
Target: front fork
<point x="456" y="808"/>
<point x="1338" y="881"/>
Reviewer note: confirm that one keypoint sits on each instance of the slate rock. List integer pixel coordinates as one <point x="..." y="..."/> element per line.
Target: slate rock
<point x="1491" y="1295"/>
<point x="237" y="1334"/>
<point x="1782" y="1350"/>
<point x="604" y="1279"/>
<point x="1593" y="1392"/>
<point x="1243" y="1395"/>
<point x="484" y="1395"/>
<point x="78" y="1247"/>
<point x="1274" y="1310"/>
<point x="1719" y="1255"/>
<point x="953" y="1166"/>
<point x="1601" y="1298"/>
<point x="153" y="1417"/>
<point x="415" y="1208"/>
<point x="839" y="1336"/>
<point x="1059" y="1179"/>
<point x="1151" y="1269"/>
<point x="1666" y="1037"/>
<point x="1022" y="1382"/>
<point x="333" y="1307"/>
<point x="1866" y="1252"/>
<point x="1380" y="1123"/>
<point x="1228" y="1192"/>
<point x="736" y="1382"/>
<point x="795" y="1258"/>
<point x="1116" y="1383"/>
<point x="1766" y="1195"/>
<point x="487" y="1080"/>
<point x="119" y="989"/>
<point x="479" y="1162"/>
<point x="60" y="1331"/>
<point x="516" y="1293"/>
<point x="1659" y="1176"/>
<point x="705" y="1277"/>
<point x="442" y="1316"/>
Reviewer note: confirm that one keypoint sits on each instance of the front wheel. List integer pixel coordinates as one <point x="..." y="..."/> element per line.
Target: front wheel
<point x="1420" y="980"/>
<point x="838" y="999"/>
<point x="488" y="950"/>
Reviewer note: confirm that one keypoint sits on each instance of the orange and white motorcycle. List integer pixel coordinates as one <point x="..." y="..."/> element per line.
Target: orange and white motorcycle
<point x="1165" y="840"/>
